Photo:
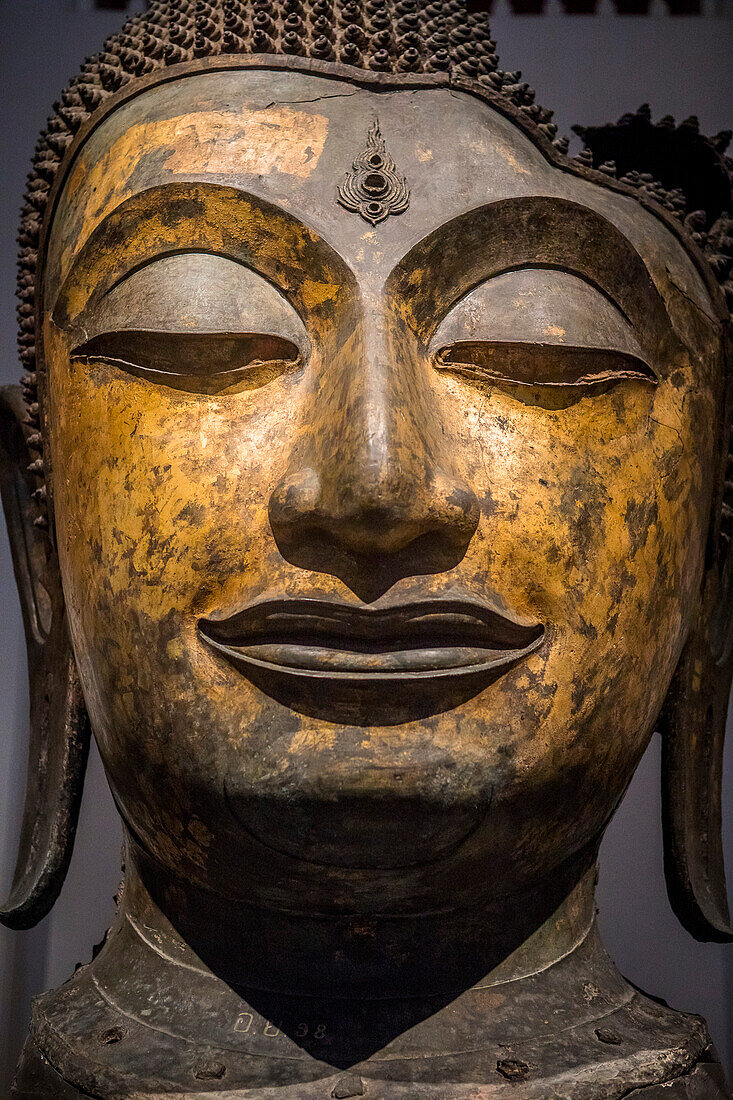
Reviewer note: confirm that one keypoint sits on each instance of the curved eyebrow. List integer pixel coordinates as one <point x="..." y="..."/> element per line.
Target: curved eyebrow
<point x="529" y="231"/>
<point x="208" y="218"/>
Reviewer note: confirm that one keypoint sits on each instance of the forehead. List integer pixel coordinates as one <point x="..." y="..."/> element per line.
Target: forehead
<point x="290" y="138"/>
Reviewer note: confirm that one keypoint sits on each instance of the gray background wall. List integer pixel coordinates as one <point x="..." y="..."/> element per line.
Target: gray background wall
<point x="589" y="69"/>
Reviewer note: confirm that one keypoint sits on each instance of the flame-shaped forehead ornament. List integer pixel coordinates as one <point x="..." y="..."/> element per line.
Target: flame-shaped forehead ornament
<point x="374" y="188"/>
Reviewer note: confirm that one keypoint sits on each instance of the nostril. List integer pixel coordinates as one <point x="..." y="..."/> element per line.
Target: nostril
<point x="456" y="507"/>
<point x="371" y="532"/>
<point x="296" y="499"/>
<point x="443" y="509"/>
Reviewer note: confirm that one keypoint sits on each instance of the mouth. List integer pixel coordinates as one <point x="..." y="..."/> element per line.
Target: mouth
<point x="422" y="642"/>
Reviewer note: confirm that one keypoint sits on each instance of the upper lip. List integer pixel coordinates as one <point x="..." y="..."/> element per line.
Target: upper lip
<point x="438" y="622"/>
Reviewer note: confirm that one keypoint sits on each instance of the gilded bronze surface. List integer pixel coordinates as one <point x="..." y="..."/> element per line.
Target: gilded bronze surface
<point x="379" y="540"/>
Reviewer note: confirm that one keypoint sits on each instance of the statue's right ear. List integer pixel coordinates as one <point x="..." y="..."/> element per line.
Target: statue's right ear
<point x="59" y="726"/>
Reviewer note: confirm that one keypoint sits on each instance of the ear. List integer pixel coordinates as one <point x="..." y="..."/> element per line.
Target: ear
<point x="59" y="726"/>
<point x="693" y="729"/>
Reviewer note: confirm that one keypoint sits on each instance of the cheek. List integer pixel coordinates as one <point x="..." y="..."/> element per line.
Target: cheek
<point x="161" y="496"/>
<point x="594" y="521"/>
<point x="161" y="511"/>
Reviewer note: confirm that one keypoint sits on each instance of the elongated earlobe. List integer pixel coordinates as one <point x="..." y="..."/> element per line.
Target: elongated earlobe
<point x="59" y="727"/>
<point x="692" y="763"/>
<point x="693" y="725"/>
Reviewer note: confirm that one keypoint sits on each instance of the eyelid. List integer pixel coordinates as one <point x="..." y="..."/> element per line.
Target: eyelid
<point x="159" y="260"/>
<point x="511" y="280"/>
<point x="191" y="292"/>
<point x="155" y="342"/>
<point x="543" y="307"/>
<point x="531" y="364"/>
<point x="205" y="362"/>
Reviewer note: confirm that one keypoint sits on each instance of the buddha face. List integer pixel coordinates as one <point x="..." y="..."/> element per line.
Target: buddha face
<point x="379" y="542"/>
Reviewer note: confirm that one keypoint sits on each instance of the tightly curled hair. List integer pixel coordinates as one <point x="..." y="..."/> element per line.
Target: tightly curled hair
<point x="392" y="36"/>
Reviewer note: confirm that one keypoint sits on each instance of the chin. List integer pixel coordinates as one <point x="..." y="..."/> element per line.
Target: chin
<point x="361" y="830"/>
<point x="363" y="798"/>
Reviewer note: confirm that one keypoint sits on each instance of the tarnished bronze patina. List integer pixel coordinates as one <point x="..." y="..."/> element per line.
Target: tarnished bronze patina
<point x="368" y="497"/>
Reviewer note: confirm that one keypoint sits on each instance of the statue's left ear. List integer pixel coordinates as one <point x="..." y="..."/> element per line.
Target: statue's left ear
<point x="59" y="727"/>
<point x="693" y="730"/>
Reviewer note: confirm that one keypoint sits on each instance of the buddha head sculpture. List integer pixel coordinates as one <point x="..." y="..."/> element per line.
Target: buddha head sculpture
<point x="368" y="499"/>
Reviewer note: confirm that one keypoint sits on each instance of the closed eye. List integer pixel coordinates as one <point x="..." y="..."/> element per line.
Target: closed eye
<point x="198" y="362"/>
<point x="568" y="370"/>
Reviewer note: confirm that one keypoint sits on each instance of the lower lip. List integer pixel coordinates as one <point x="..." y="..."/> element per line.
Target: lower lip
<point x="359" y="667"/>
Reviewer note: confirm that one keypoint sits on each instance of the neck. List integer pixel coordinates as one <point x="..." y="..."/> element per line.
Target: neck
<point x="305" y="1005"/>
<point x="353" y="955"/>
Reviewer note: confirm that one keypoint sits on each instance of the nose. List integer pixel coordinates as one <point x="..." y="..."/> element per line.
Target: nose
<point x="369" y="494"/>
<point x="375" y="512"/>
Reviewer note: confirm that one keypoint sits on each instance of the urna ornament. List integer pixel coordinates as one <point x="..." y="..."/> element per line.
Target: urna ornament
<point x="370" y="500"/>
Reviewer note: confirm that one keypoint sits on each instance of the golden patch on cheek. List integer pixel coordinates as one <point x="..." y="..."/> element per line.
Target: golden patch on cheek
<point x="142" y="507"/>
<point x="587" y="488"/>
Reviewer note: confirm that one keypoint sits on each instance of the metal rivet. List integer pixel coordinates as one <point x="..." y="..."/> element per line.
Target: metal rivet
<point x="608" y="1035"/>
<point x="112" y="1035"/>
<point x="512" y="1069"/>
<point x="209" y="1071"/>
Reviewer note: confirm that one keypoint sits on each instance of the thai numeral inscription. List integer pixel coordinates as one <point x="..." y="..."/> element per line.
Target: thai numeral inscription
<point x="245" y="1025"/>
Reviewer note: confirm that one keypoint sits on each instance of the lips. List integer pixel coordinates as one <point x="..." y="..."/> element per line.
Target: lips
<point x="435" y="639"/>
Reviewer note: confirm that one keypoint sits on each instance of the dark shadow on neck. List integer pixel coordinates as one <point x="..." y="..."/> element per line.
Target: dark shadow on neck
<point x="344" y="987"/>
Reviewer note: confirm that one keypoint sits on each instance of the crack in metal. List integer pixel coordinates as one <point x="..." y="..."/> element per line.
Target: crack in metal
<point x="317" y="99"/>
